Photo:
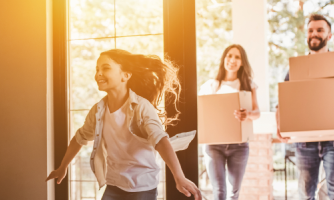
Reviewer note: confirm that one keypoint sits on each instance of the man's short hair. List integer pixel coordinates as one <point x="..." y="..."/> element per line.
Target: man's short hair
<point x="317" y="17"/>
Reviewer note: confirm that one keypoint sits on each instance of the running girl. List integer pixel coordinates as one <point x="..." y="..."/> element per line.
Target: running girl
<point x="126" y="128"/>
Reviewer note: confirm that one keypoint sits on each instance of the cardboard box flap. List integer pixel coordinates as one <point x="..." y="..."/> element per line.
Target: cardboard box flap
<point x="246" y="126"/>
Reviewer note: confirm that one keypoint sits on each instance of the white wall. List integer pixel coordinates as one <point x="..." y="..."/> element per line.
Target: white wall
<point x="249" y="20"/>
<point x="250" y="29"/>
<point x="25" y="99"/>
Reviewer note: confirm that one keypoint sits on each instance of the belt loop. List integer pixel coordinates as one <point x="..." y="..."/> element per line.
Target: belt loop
<point x="304" y="144"/>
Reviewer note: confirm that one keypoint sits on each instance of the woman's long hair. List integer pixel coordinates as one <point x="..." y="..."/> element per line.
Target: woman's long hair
<point x="151" y="78"/>
<point x="244" y="73"/>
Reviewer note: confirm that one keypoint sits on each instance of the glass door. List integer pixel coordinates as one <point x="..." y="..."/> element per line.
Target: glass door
<point x="96" y="26"/>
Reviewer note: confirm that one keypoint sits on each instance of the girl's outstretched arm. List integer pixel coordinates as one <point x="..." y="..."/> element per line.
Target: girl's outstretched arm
<point x="71" y="152"/>
<point x="184" y="185"/>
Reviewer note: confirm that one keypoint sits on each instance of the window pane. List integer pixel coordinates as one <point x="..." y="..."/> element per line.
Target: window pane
<point x="91" y="19"/>
<point x="137" y="17"/>
<point x="77" y="119"/>
<point x="213" y="34"/>
<point x="83" y="56"/>
<point x="152" y="44"/>
<point x="92" y="31"/>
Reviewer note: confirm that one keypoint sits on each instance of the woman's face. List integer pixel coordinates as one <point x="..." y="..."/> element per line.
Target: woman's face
<point x="232" y="61"/>
<point x="109" y="74"/>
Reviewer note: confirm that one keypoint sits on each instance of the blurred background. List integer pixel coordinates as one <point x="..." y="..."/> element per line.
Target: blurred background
<point x="137" y="26"/>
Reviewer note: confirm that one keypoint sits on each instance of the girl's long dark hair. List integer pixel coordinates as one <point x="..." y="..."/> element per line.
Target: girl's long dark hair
<point x="244" y="73"/>
<point x="151" y="78"/>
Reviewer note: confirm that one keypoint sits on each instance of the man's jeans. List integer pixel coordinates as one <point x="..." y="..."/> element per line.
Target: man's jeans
<point x="235" y="157"/>
<point x="309" y="156"/>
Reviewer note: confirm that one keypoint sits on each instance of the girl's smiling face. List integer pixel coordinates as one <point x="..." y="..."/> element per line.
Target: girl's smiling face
<point x="109" y="74"/>
<point x="232" y="61"/>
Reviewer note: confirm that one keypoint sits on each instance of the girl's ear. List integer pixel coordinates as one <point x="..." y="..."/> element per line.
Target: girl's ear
<point x="126" y="76"/>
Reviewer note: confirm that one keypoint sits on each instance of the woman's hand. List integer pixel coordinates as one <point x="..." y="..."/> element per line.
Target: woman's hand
<point x="241" y="114"/>
<point x="59" y="173"/>
<point x="187" y="187"/>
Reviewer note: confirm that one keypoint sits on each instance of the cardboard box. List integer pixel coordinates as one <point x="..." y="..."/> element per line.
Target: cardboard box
<point x="307" y="108"/>
<point x="320" y="65"/>
<point x="216" y="121"/>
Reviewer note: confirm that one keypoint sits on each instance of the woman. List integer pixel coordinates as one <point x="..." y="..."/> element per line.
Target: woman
<point x="235" y="74"/>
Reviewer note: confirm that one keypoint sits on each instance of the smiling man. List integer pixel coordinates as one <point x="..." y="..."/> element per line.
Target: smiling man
<point x="310" y="154"/>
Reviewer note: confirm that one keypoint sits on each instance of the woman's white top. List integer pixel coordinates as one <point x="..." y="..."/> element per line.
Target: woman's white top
<point x="210" y="86"/>
<point x="131" y="163"/>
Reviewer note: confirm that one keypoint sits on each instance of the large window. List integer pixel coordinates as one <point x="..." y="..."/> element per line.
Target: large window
<point x="213" y="34"/>
<point x="96" y="26"/>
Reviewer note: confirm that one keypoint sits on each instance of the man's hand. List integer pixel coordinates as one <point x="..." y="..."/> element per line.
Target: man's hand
<point x="282" y="139"/>
<point x="279" y="136"/>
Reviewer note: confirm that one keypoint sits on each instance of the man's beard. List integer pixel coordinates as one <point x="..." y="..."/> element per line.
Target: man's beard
<point x="323" y="42"/>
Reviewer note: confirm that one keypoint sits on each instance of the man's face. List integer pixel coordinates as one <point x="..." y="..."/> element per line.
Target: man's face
<point x="318" y="34"/>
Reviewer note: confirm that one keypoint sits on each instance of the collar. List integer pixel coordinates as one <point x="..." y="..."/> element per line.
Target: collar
<point x="309" y="53"/>
<point x="133" y="98"/>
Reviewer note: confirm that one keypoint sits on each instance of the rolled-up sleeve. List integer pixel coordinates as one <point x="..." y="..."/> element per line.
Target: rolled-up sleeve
<point x="151" y="123"/>
<point x="86" y="132"/>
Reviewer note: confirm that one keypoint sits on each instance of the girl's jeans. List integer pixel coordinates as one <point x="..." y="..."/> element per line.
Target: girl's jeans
<point x="217" y="157"/>
<point x="309" y="156"/>
<point x="115" y="193"/>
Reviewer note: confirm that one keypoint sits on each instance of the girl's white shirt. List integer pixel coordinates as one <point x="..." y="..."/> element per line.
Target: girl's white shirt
<point x="142" y="125"/>
<point x="209" y="87"/>
<point x="142" y="121"/>
<point x="131" y="163"/>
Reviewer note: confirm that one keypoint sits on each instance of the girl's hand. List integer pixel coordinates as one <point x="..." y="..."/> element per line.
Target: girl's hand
<point x="187" y="187"/>
<point x="59" y="173"/>
<point x="241" y="114"/>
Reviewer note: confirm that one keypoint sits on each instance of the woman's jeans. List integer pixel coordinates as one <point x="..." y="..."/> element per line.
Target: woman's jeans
<point x="309" y="156"/>
<point x="115" y="193"/>
<point x="217" y="157"/>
